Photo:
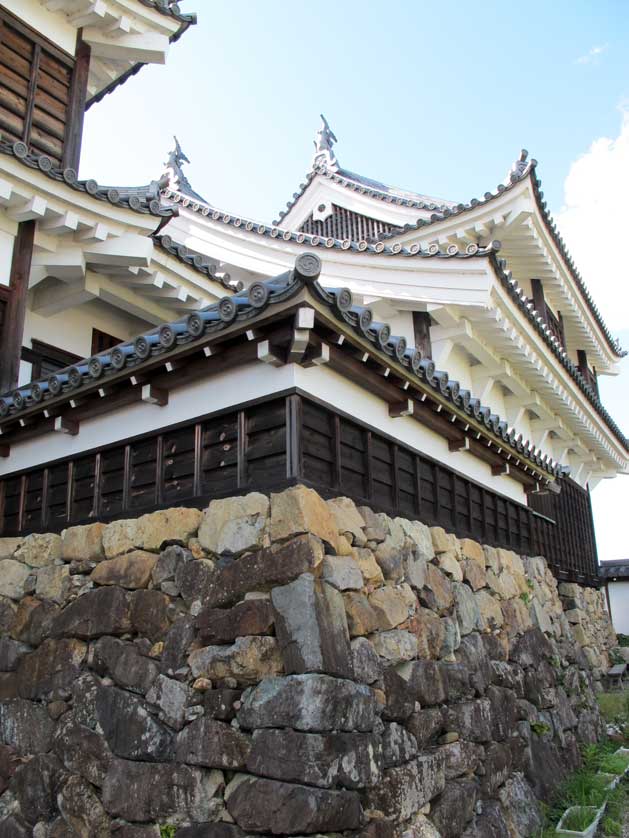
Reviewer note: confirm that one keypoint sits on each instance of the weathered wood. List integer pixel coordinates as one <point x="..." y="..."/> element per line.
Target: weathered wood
<point x="65" y="425"/>
<point x="13" y="329"/>
<point x="421" y="329"/>
<point x="154" y="395"/>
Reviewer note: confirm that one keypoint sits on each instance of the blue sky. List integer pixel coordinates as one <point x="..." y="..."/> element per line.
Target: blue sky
<point x="437" y="98"/>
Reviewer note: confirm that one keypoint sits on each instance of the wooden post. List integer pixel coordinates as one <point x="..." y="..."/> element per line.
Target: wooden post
<point x="538" y="299"/>
<point x="421" y="327"/>
<point x="76" y="105"/>
<point x="13" y="327"/>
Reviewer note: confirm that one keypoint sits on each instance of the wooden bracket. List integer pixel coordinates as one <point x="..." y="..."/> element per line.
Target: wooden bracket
<point x="5" y="450"/>
<point x="253" y="334"/>
<point x="319" y="356"/>
<point x="154" y="395"/>
<point x="305" y="318"/>
<point x="138" y="379"/>
<point x="405" y="408"/>
<point x="501" y="468"/>
<point x="460" y="444"/>
<point x="298" y="345"/>
<point x="269" y="354"/>
<point x="64" y="425"/>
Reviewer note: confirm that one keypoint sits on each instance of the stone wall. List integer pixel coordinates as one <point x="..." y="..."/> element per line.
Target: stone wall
<point x="286" y="666"/>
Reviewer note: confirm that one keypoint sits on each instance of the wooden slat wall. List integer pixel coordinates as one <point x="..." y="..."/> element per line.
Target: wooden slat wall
<point x="35" y="87"/>
<point x="282" y="440"/>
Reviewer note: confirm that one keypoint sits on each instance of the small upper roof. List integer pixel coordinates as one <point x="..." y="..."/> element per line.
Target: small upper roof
<point x="616" y="569"/>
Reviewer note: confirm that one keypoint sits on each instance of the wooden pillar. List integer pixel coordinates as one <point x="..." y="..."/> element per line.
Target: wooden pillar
<point x="421" y="327"/>
<point x="538" y="298"/>
<point x="13" y="329"/>
<point x="76" y="105"/>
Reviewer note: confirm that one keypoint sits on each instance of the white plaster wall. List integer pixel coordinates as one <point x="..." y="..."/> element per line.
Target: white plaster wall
<point x="242" y="384"/>
<point x="619" y="601"/>
<point x="6" y="255"/>
<point x="54" y="26"/>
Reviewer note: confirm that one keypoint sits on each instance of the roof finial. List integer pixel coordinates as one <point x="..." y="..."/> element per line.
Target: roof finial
<point x="324" y="140"/>
<point x="173" y="177"/>
<point x="519" y="167"/>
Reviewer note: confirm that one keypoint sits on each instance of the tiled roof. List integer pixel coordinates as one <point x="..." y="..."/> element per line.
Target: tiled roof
<point x="194" y="260"/>
<point x="171" y="9"/>
<point x="616" y="569"/>
<point x="118" y="196"/>
<point x="247" y="307"/>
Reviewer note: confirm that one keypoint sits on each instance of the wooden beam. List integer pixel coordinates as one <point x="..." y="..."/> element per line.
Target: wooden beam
<point x="76" y="105"/>
<point x="13" y="330"/>
<point x="5" y="450"/>
<point x="154" y="395"/>
<point x="501" y="468"/>
<point x="65" y="425"/>
<point x="269" y="354"/>
<point x="405" y="408"/>
<point x="461" y="444"/>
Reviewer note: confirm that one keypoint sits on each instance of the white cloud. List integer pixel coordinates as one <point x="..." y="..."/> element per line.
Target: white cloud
<point x="594" y="222"/>
<point x="592" y="56"/>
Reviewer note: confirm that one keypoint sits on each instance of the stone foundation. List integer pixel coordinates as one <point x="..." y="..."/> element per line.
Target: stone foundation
<point x="287" y="666"/>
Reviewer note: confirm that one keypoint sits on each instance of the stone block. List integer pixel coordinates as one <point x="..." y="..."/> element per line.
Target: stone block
<point x="51" y="668"/>
<point x="309" y="703"/>
<point x="466" y="607"/>
<point x="33" y="786"/>
<point x="516" y="617"/>
<point x="166" y="567"/>
<point x="425" y="725"/>
<point x="26" y="727"/>
<point x="369" y="567"/>
<point x="471" y="720"/>
<point x="129" y="729"/>
<point x="149" y="614"/>
<point x="348" y="520"/>
<point x="300" y="510"/>
<point x="232" y="526"/>
<point x="171" y="697"/>
<point x="454" y="808"/>
<point x="398" y="745"/>
<point x="490" y="613"/>
<point x="311" y="627"/>
<point x="13" y="575"/>
<point x="430" y="632"/>
<point x="264" y="569"/>
<point x="522" y="809"/>
<point x="451" y="640"/>
<point x="39" y="550"/>
<point x="419" y="534"/>
<point x="532" y="648"/>
<point x="450" y="565"/>
<point x="473" y="654"/>
<point x="461" y="758"/>
<point x="176" y="644"/>
<point x="11" y="652"/>
<point x="53" y="583"/>
<point x="212" y="743"/>
<point x="365" y="660"/>
<point x="294" y="809"/>
<point x="404" y="790"/>
<point x="124" y="663"/>
<point x="474" y="574"/>
<point x="437" y="595"/>
<point x="224" y="625"/>
<point x="442" y="541"/>
<point x="425" y="682"/>
<point x="361" y="617"/>
<point x="498" y="763"/>
<point x="141" y="792"/>
<point x="193" y="580"/>
<point x="81" y="750"/>
<point x="351" y="760"/>
<point x="83" y="543"/>
<point x="81" y="809"/>
<point x="9" y="546"/>
<point x="343" y="573"/>
<point x="247" y="660"/>
<point x="131" y="570"/>
<point x="395" y="646"/>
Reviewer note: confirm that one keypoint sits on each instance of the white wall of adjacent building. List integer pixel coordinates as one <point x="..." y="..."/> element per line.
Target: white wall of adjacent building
<point x="619" y="602"/>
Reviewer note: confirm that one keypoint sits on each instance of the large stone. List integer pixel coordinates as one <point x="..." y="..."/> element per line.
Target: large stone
<point x="176" y="645"/>
<point x="471" y="720"/>
<point x="430" y="631"/>
<point x="472" y="550"/>
<point x="490" y="823"/>
<point x="263" y="570"/>
<point x="395" y="646"/>
<point x="437" y="595"/>
<point x="83" y="543"/>
<point x="81" y="750"/>
<point x="467" y="611"/>
<point x="11" y="652"/>
<point x="193" y="580"/>
<point x="490" y="612"/>
<point x="449" y="563"/>
<point x="516" y="617"/>
<point x="415" y="567"/>
<point x="33" y="620"/>
<point x="51" y="669"/>
<point x="151" y="531"/>
<point x="132" y="570"/>
<point x="149" y="614"/>
<point x="34" y="787"/>
<point x="442" y="541"/>
<point x="259" y="805"/>
<point x="129" y="729"/>
<point x="311" y="627"/>
<point x="248" y="660"/>
<point x="474" y="574"/>
<point x="348" y="520"/>
<point x="361" y="617"/>
<point x="82" y="810"/>
<point x="352" y="760"/>
<point x="497" y="765"/>
<point x="398" y="745"/>
<point x="531" y="649"/>
<point x="419" y="534"/>
<point x="171" y="697"/>
<point x="232" y="526"/>
<point x="473" y="654"/>
<point x="365" y="660"/>
<point x="391" y="607"/>
<point x="309" y="703"/>
<point x="343" y="572"/>
<point x="213" y="744"/>
<point x="39" y="550"/>
<point x="461" y="758"/>
<point x="425" y="725"/>
<point x="25" y="726"/>
<point x="7" y="614"/>
<point x="124" y="663"/>
<point x="421" y="827"/>
<point x="301" y="510"/>
<point x="9" y="546"/>
<point x="104" y="611"/>
<point x="369" y="567"/>
<point x="165" y="569"/>
<point x="143" y="792"/>
<point x="13" y="575"/>
<point x="404" y="790"/>
<point x="454" y="807"/>
<point x="521" y="807"/>
<point x="425" y="681"/>
<point x="53" y="583"/>
<point x="504" y="711"/>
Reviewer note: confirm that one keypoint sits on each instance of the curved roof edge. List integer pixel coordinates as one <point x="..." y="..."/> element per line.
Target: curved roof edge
<point x="194" y="260"/>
